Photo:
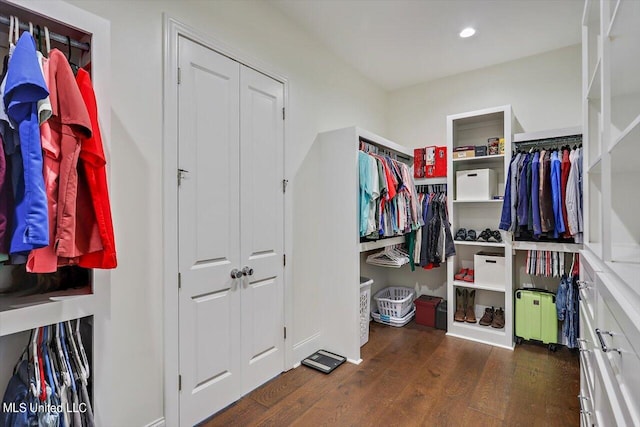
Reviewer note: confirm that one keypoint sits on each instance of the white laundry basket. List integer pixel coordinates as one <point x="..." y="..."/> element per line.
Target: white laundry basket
<point x="365" y="308"/>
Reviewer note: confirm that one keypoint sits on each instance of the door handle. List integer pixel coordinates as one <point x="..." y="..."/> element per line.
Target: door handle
<point x="247" y="271"/>
<point x="603" y="345"/>
<point x="236" y="274"/>
<point x="583" y="284"/>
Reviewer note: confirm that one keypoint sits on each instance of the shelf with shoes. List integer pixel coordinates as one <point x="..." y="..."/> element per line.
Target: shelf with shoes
<point x="483" y="180"/>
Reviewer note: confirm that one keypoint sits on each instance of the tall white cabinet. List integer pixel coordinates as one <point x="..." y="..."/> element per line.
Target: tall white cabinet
<point x="329" y="256"/>
<point x="610" y="262"/>
<point x="474" y="128"/>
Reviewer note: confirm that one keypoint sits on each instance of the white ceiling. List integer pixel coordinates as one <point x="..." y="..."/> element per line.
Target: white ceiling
<point x="398" y="43"/>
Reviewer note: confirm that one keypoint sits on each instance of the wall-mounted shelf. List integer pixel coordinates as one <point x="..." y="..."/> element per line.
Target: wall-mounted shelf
<point x="480" y="158"/>
<point x="24" y="313"/>
<point x="479" y="243"/>
<point x="382" y="243"/>
<point x="472" y="285"/>
<point x="430" y="181"/>
<point x="479" y="201"/>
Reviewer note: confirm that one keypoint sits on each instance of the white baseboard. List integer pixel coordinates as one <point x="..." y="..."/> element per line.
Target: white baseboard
<point x="157" y="423"/>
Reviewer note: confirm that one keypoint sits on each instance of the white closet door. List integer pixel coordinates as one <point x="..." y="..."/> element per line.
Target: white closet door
<point x="262" y="213"/>
<point x="209" y="230"/>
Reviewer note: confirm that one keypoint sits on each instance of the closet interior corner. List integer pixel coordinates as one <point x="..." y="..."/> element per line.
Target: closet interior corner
<point x="54" y="302"/>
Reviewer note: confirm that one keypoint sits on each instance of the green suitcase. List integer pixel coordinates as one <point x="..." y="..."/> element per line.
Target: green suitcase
<point x="536" y="316"/>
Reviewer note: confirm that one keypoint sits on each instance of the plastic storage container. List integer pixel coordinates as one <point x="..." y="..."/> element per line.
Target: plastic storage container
<point x="441" y="315"/>
<point x="365" y="308"/>
<point x="426" y="310"/>
<point x="476" y="184"/>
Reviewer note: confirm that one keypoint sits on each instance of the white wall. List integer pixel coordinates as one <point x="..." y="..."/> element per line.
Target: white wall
<point x="544" y="91"/>
<point x="324" y="94"/>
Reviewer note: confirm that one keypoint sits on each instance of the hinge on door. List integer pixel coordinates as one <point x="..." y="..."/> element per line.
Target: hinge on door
<point x="179" y="382"/>
<point x="285" y="182"/>
<point x="284" y="260"/>
<point x="179" y="75"/>
<point x="285" y="332"/>
<point x="282" y="113"/>
<point x="179" y="281"/>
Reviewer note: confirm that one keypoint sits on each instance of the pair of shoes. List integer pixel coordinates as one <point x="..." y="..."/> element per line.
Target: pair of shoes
<point x="461" y="234"/>
<point x="465" y="306"/>
<point x="465" y="274"/>
<point x="498" y="319"/>
<point x="489" y="235"/>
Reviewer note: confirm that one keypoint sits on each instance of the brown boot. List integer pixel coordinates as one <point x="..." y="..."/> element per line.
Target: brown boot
<point x="498" y="319"/>
<point x="461" y="302"/>
<point x="470" y="312"/>
<point x="487" y="317"/>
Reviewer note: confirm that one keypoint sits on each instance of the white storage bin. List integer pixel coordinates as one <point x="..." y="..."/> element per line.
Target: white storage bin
<point x="489" y="269"/>
<point x="476" y="184"/>
<point x="365" y="308"/>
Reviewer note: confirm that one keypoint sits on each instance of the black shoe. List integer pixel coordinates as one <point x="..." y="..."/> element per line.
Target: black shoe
<point x="461" y="234"/>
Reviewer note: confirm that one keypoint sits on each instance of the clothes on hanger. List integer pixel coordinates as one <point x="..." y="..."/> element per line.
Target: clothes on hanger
<point x="568" y="309"/>
<point x="435" y="238"/>
<point x="543" y="195"/>
<point x="55" y="202"/>
<point x="388" y="200"/>
<point x="49" y="385"/>
<point x="545" y="263"/>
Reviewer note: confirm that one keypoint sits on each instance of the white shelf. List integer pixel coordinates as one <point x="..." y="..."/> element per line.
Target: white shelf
<point x="547" y="246"/>
<point x="483" y="329"/>
<point x="471" y="285"/>
<point x="24" y="313"/>
<point x="595" y="167"/>
<point x="595" y="84"/>
<point x="382" y="243"/>
<point x="595" y="247"/>
<point x="430" y="181"/>
<point x="625" y="254"/>
<point x="623" y="18"/>
<point x="479" y="243"/>
<point x="479" y="201"/>
<point x="629" y="136"/>
<point x="480" y="158"/>
<point x="547" y="134"/>
<point x="628" y="272"/>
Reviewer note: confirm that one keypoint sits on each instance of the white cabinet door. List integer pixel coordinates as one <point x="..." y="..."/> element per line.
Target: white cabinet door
<point x="261" y="226"/>
<point x="209" y="230"/>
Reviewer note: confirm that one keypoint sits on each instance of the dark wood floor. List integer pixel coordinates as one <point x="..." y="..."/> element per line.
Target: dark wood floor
<point x="418" y="376"/>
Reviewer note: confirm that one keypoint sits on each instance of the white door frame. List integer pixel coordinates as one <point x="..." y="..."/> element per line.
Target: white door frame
<point x="172" y="29"/>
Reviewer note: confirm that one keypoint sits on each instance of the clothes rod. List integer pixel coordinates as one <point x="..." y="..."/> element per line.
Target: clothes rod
<point x="563" y="140"/>
<point x="53" y="36"/>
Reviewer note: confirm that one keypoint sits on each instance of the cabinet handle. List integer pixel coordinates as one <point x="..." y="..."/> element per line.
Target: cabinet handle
<point x="580" y="340"/>
<point x="583" y="284"/>
<point x="247" y="271"/>
<point x="582" y="410"/>
<point x="236" y="274"/>
<point x="603" y="345"/>
<point x="472" y="174"/>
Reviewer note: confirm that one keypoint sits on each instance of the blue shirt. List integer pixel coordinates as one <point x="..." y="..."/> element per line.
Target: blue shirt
<point x="24" y="88"/>
<point x="365" y="190"/>
<point x="535" y="195"/>
<point x="556" y="194"/>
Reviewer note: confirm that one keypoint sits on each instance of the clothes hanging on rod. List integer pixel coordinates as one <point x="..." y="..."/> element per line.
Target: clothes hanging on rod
<point x="433" y="243"/>
<point x="58" y="207"/>
<point x="388" y="204"/>
<point x="568" y="309"/>
<point x="543" y="194"/>
<point x="5" y="20"/>
<point x="51" y="381"/>
<point x="545" y="263"/>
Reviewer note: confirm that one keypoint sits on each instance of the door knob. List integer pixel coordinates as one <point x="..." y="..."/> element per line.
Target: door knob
<point x="236" y="274"/>
<point x="247" y="271"/>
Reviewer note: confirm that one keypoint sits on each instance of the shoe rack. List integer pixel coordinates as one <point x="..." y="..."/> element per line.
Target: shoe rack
<point x="475" y="128"/>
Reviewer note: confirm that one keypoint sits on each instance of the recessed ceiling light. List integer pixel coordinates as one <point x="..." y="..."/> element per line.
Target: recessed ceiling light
<point x="467" y="32"/>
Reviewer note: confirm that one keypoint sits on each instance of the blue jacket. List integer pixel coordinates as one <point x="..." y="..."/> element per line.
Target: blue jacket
<point x="523" y="194"/>
<point x="556" y="194"/>
<point x="24" y="88"/>
<point x="17" y="394"/>
<point x="535" y="195"/>
<point x="505" y="217"/>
